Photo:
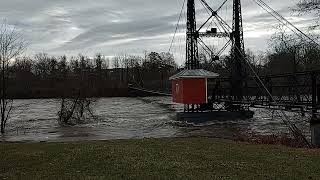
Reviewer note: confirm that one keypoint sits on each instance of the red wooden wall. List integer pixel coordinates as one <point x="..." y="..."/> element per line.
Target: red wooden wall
<point x="189" y="91"/>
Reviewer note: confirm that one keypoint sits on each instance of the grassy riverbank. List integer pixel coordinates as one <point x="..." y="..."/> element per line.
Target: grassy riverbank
<point x="189" y="158"/>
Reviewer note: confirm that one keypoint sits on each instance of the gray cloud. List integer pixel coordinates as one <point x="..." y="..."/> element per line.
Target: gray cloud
<point x="124" y="26"/>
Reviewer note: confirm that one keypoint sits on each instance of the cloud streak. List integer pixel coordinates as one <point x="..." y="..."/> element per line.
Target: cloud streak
<point x="112" y="27"/>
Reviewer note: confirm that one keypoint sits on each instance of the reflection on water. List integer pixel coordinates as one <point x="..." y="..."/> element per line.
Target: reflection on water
<point x="124" y="118"/>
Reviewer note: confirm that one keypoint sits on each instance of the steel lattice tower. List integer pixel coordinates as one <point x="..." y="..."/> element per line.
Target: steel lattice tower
<point x="238" y="52"/>
<point x="192" y="54"/>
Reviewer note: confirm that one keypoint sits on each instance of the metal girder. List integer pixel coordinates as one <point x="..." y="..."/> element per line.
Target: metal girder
<point x="238" y="52"/>
<point x="217" y="35"/>
<point x="192" y="53"/>
<point x="306" y="94"/>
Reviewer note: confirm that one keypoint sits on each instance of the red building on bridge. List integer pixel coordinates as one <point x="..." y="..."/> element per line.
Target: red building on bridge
<point x="191" y="86"/>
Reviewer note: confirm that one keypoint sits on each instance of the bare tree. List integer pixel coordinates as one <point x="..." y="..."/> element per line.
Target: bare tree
<point x="106" y="63"/>
<point x="78" y="108"/>
<point x="115" y="62"/>
<point x="12" y="45"/>
<point x="42" y="65"/>
<point x="75" y="110"/>
<point x="309" y="7"/>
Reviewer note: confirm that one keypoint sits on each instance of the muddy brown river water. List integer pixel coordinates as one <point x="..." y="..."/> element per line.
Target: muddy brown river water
<point x="127" y="118"/>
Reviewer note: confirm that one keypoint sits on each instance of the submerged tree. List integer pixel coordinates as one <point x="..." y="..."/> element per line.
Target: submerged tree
<point x="12" y="45"/>
<point x="75" y="110"/>
<point x="79" y="107"/>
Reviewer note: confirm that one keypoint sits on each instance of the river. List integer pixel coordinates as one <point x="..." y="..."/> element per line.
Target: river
<point x="127" y="118"/>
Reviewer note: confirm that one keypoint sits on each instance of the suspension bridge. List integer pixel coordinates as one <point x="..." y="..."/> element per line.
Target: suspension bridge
<point x="243" y="87"/>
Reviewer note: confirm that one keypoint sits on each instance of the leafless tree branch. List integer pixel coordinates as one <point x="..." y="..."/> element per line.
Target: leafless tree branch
<point x="12" y="45"/>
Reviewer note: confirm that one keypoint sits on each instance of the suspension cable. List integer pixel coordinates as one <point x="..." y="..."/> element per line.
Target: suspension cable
<point x="224" y="47"/>
<point x="277" y="18"/>
<point x="283" y="20"/>
<point x="288" y="22"/>
<point x="222" y="5"/>
<point x="292" y="127"/>
<point x="204" y="7"/>
<point x="177" y="26"/>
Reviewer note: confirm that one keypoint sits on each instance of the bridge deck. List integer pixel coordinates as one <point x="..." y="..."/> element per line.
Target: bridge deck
<point x="291" y="91"/>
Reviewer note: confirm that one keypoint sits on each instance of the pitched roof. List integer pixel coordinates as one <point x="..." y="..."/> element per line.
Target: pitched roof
<point x="194" y="73"/>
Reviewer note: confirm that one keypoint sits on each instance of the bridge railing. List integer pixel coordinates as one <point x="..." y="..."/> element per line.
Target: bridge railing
<point x="301" y="89"/>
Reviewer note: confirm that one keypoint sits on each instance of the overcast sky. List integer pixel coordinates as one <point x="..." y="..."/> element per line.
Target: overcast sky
<point x="115" y="27"/>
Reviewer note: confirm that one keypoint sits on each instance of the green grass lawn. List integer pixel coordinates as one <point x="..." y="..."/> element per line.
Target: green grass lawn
<point x="189" y="158"/>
